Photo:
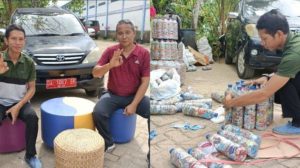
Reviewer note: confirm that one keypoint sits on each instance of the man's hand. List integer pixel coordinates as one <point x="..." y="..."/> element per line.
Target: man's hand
<point x="261" y="81"/>
<point x="14" y="111"/>
<point x="3" y="65"/>
<point x="116" y="59"/>
<point x="226" y="100"/>
<point x="130" y="109"/>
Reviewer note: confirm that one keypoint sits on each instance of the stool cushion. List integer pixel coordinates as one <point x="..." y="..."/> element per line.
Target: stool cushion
<point x="122" y="127"/>
<point x="63" y="113"/>
<point x="80" y="148"/>
<point x="12" y="137"/>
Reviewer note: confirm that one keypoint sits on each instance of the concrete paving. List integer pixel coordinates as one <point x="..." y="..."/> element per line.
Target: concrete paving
<point x="202" y="82"/>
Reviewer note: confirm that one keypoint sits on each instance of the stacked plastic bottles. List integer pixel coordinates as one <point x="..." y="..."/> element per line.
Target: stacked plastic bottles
<point x="164" y="28"/>
<point x="181" y="159"/>
<point x="166" y="53"/>
<point x="257" y="116"/>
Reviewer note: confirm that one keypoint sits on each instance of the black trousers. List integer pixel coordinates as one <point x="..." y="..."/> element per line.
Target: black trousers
<point x="107" y="104"/>
<point x="28" y="115"/>
<point x="289" y="98"/>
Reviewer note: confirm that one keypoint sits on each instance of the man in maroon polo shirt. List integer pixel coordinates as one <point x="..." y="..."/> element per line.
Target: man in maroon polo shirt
<point x="128" y="65"/>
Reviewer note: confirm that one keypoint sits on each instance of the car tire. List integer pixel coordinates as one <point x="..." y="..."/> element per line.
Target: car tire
<point x="243" y="71"/>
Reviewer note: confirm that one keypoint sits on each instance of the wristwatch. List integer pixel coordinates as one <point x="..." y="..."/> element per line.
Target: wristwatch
<point x="267" y="75"/>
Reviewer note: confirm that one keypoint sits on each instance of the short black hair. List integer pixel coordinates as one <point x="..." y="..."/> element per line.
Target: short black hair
<point x="13" y="27"/>
<point x="273" y="21"/>
<point x="126" y="21"/>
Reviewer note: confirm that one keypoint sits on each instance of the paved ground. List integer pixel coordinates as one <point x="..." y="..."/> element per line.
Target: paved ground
<point x="203" y="82"/>
<point x="129" y="155"/>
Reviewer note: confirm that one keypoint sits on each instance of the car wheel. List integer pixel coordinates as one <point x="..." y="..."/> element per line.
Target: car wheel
<point x="243" y="71"/>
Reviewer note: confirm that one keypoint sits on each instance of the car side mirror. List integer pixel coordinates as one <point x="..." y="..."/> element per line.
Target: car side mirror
<point x="233" y="15"/>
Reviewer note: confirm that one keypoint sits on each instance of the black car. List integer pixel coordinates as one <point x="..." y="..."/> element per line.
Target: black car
<point x="63" y="52"/>
<point x="242" y="43"/>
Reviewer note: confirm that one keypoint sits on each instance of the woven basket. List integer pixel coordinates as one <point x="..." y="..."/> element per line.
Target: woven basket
<point x="79" y="148"/>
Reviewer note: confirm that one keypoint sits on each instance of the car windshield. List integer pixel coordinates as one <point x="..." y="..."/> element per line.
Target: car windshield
<point x="54" y="24"/>
<point x="256" y="8"/>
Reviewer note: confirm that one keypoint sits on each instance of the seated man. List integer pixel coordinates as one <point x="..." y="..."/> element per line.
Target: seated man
<point x="17" y="87"/>
<point x="128" y="65"/>
<point x="274" y="32"/>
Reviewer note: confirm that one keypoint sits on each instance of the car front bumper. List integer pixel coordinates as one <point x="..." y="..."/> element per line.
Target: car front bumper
<point x="82" y="73"/>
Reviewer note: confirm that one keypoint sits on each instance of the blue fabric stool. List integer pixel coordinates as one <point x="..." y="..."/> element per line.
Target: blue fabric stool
<point x="122" y="127"/>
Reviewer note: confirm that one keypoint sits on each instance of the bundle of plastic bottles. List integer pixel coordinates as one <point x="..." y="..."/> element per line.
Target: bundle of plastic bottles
<point x="235" y="143"/>
<point x="257" y="116"/>
<point x="189" y="103"/>
<point x="164" y="28"/>
<point x="164" y="50"/>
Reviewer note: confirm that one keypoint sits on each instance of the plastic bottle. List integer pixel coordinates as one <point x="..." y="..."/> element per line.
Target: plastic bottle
<point x="198" y="112"/>
<point x="249" y="114"/>
<point x="242" y="132"/>
<point x="162" y="49"/>
<point x="198" y="154"/>
<point x="270" y="111"/>
<point x="218" y="97"/>
<point x="181" y="159"/>
<point x="191" y="96"/>
<point x="228" y="111"/>
<point x="165" y="29"/>
<point x="251" y="146"/>
<point x="159" y="28"/>
<point x="238" y="112"/>
<point x="154" y="28"/>
<point x="262" y="115"/>
<point x="181" y="105"/>
<point x="163" y="109"/>
<point x="228" y="148"/>
<point x="207" y="101"/>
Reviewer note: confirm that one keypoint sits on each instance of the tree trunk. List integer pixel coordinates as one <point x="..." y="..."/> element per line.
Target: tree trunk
<point x="196" y="13"/>
<point x="222" y="17"/>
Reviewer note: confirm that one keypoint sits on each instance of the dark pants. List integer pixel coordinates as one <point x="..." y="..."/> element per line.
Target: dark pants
<point x="289" y="98"/>
<point x="107" y="104"/>
<point x="28" y="115"/>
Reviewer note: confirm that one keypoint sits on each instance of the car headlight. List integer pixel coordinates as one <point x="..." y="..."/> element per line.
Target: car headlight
<point x="93" y="56"/>
<point x="251" y="30"/>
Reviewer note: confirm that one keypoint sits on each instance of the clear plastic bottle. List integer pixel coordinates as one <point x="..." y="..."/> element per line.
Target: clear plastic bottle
<point x="270" y="111"/>
<point x="198" y="154"/>
<point x="250" y="114"/>
<point x="238" y="112"/>
<point x="180" y="105"/>
<point x="162" y="109"/>
<point x="198" y="112"/>
<point x="251" y="146"/>
<point x="242" y="132"/>
<point x="181" y="159"/>
<point x="162" y="49"/>
<point x="228" y="111"/>
<point x="228" y="148"/>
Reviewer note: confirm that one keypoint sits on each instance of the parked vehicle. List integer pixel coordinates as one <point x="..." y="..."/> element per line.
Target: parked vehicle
<point x="241" y="41"/>
<point x="63" y="52"/>
<point x="94" y="24"/>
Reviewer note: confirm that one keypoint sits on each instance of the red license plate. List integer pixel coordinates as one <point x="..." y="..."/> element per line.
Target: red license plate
<point x="61" y="83"/>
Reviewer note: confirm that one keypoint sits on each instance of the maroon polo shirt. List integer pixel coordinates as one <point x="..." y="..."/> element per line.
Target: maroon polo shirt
<point x="125" y="79"/>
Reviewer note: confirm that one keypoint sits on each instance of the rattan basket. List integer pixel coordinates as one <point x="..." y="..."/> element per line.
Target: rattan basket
<point x="79" y="148"/>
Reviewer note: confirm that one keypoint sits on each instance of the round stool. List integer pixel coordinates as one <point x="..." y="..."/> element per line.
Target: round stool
<point x="122" y="127"/>
<point x="80" y="148"/>
<point x="63" y="113"/>
<point x="12" y="137"/>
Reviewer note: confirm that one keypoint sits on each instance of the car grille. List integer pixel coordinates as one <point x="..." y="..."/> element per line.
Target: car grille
<point x="58" y="59"/>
